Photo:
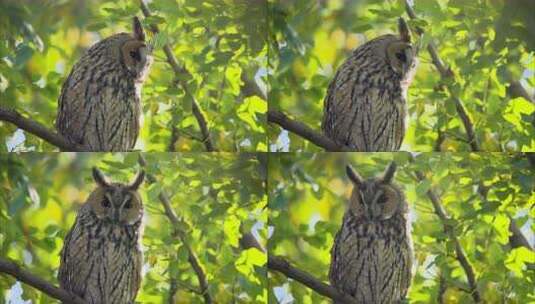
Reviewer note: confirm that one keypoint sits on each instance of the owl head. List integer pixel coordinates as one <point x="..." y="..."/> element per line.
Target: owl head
<point x="135" y="53"/>
<point x="116" y="203"/>
<point x="376" y="199"/>
<point x="400" y="53"/>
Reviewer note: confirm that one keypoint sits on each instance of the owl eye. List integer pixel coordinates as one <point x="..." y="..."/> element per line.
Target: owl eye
<point x="128" y="204"/>
<point x="105" y="203"/>
<point x="135" y="55"/>
<point x="401" y="57"/>
<point x="382" y="199"/>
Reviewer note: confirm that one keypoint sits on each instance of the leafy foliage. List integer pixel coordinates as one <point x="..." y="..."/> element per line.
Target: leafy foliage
<point x="308" y="195"/>
<point x="220" y="43"/>
<point x="478" y="40"/>
<point x="216" y="196"/>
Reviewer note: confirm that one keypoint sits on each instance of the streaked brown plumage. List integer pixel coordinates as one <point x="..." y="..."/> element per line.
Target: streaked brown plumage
<point x="100" y="102"/>
<point x="101" y="259"/>
<point x="365" y="107"/>
<point x="372" y="255"/>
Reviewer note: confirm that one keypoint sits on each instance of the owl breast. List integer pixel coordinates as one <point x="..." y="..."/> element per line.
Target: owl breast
<point x="101" y="261"/>
<point x="371" y="261"/>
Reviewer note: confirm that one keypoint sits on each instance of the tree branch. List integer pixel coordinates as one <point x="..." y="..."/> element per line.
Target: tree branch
<point x="446" y="73"/>
<point x="279" y="264"/>
<point x="515" y="89"/>
<point x="459" y="251"/>
<point x="37" y="129"/>
<point x="176" y="222"/>
<point x="304" y="131"/>
<point x="250" y="88"/>
<point x="29" y="278"/>
<point x="517" y="238"/>
<point x="178" y="70"/>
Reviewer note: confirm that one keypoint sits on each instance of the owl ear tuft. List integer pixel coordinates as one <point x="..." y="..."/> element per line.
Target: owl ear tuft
<point x="389" y="173"/>
<point x="137" y="181"/>
<point x="404" y="31"/>
<point x="354" y="176"/>
<point x="100" y="178"/>
<point x="139" y="33"/>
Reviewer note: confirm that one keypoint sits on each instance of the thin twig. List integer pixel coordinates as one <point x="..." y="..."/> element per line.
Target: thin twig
<point x="446" y="73"/>
<point x="176" y="222"/>
<point x="173" y="288"/>
<point x="442" y="287"/>
<point x="178" y="70"/>
<point x="440" y="140"/>
<point x="29" y="278"/>
<point x="459" y="251"/>
<point x="175" y="135"/>
<point x="188" y="287"/>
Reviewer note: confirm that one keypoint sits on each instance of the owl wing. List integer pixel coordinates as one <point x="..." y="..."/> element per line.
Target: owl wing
<point x="387" y="124"/>
<point x="134" y="112"/>
<point x="401" y="112"/>
<point x="76" y="264"/>
<point x="76" y="104"/>
<point x="347" y="109"/>
<point x="335" y="257"/>
<point x="63" y="272"/>
<point x="406" y="272"/>
<point x="136" y="279"/>
<point x="344" y="263"/>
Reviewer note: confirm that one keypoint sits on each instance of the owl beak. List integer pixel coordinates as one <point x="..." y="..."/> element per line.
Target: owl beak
<point x="116" y="216"/>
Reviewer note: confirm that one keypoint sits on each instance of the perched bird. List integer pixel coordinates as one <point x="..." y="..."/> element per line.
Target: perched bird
<point x="101" y="259"/>
<point x="100" y="102"/>
<point x="365" y="107"/>
<point x="372" y="255"/>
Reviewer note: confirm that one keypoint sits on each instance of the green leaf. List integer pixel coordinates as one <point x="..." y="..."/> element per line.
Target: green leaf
<point x="248" y="259"/>
<point x="233" y="76"/>
<point x="154" y="20"/>
<point x="23" y="54"/>
<point x="231" y="227"/>
<point x="96" y="26"/>
<point x="518" y="258"/>
<point x="501" y="226"/>
<point x="249" y="108"/>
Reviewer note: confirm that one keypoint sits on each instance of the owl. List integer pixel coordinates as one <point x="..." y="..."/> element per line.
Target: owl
<point x="101" y="259"/>
<point x="365" y="107"/>
<point x="372" y="255"/>
<point x="100" y="102"/>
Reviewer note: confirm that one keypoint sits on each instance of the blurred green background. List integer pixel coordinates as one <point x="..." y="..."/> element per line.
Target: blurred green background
<point x="221" y="43"/>
<point x="308" y="195"/>
<point x="213" y="194"/>
<point x="487" y="43"/>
